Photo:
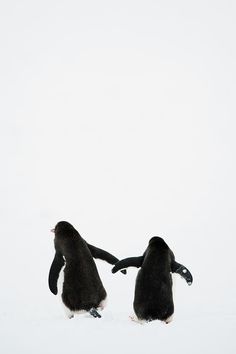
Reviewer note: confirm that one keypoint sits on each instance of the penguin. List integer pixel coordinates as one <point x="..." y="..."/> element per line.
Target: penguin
<point x="82" y="289"/>
<point x="153" y="298"/>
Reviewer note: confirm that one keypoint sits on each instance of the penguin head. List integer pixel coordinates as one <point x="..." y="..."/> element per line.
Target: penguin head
<point x="157" y="241"/>
<point x="62" y="226"/>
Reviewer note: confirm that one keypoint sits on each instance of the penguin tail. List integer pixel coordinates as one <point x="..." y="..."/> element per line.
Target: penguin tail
<point x="93" y="312"/>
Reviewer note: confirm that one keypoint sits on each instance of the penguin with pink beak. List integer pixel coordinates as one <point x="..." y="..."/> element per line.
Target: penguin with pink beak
<point x="81" y="288"/>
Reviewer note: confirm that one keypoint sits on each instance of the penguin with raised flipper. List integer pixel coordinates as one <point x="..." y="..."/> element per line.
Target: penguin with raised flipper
<point x="153" y="297"/>
<point x="82" y="289"/>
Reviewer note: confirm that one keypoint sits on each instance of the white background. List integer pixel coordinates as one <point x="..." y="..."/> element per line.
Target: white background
<point x="119" y="117"/>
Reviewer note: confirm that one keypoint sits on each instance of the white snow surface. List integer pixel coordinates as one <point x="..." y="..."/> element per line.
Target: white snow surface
<point x="119" y="117"/>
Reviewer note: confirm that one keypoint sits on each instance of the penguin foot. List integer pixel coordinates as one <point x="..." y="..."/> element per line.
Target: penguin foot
<point x="137" y="320"/>
<point x="185" y="273"/>
<point x="149" y="320"/>
<point x="69" y="314"/>
<point x="169" y="319"/>
<point x="93" y="312"/>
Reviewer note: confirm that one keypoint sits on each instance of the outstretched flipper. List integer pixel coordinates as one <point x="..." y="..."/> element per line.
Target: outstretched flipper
<point x="105" y="256"/>
<point x="93" y="312"/>
<point x="128" y="262"/>
<point x="57" y="264"/>
<point x="180" y="269"/>
<point x="183" y="271"/>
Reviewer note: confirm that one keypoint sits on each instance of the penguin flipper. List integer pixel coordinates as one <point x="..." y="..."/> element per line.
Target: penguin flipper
<point x="57" y="263"/>
<point x="182" y="271"/>
<point x="103" y="255"/>
<point x="128" y="262"/>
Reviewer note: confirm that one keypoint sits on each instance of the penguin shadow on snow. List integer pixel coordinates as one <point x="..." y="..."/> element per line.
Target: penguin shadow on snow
<point x="153" y="298"/>
<point x="73" y="274"/>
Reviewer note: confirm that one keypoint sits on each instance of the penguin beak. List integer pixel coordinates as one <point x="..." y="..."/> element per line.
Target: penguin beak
<point x="52" y="230"/>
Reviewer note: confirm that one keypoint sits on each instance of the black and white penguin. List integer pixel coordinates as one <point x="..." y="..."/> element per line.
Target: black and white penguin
<point x="81" y="287"/>
<point x="153" y="297"/>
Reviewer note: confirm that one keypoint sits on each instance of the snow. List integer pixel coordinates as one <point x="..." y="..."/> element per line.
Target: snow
<point x="118" y="117"/>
